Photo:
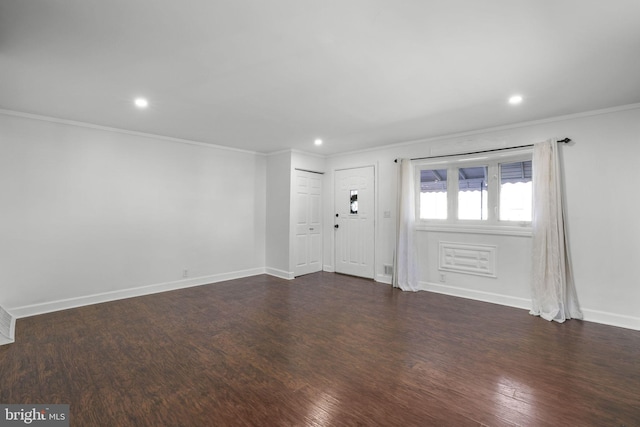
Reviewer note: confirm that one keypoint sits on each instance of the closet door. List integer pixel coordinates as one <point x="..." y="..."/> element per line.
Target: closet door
<point x="308" y="226"/>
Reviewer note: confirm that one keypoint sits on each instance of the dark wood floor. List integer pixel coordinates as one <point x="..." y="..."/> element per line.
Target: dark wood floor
<point x="322" y="350"/>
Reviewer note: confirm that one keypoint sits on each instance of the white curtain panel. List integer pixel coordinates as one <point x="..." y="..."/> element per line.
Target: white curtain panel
<point x="553" y="292"/>
<point x="405" y="274"/>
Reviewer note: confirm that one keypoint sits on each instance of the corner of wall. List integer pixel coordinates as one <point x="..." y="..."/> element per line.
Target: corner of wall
<point x="287" y="275"/>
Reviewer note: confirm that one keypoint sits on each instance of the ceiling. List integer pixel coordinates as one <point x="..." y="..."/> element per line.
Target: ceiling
<point x="272" y="75"/>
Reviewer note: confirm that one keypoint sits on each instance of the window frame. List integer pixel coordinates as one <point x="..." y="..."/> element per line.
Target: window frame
<point x="492" y="225"/>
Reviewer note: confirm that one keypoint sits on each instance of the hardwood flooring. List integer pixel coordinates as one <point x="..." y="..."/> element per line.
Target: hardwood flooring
<point x="321" y="350"/>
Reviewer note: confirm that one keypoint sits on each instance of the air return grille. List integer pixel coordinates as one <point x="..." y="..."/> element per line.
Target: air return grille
<point x="470" y="259"/>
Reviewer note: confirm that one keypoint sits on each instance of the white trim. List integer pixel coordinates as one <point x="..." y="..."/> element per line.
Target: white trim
<point x="383" y="278"/>
<point x="8" y="332"/>
<point x="491" y="297"/>
<point x="468" y="258"/>
<point x="445" y="137"/>
<point x="287" y="275"/>
<point x="480" y="229"/>
<point x="296" y="151"/>
<point x="613" y="319"/>
<point x="124" y="131"/>
<point x="381" y="147"/>
<point x="307" y="153"/>
<point x="275" y="153"/>
<point x="328" y="268"/>
<point x="346" y="168"/>
<point x="64" y="304"/>
<point x="595" y="316"/>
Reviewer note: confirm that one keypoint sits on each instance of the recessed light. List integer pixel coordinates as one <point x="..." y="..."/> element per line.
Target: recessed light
<point x="141" y="102"/>
<point x="515" y="100"/>
<point x="318" y="141"/>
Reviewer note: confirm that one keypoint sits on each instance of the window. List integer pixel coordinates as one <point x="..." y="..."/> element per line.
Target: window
<point x="433" y="194"/>
<point x="472" y="193"/>
<point x="516" y="191"/>
<point x="353" y="202"/>
<point x="492" y="190"/>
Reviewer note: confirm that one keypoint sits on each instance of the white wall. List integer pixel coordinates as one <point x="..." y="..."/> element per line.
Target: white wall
<point x="90" y="214"/>
<point x="601" y="179"/>
<point x="278" y="214"/>
<point x="280" y="248"/>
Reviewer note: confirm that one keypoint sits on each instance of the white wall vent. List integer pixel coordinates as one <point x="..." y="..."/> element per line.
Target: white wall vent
<point x="388" y="270"/>
<point x="470" y="259"/>
<point x="7" y="326"/>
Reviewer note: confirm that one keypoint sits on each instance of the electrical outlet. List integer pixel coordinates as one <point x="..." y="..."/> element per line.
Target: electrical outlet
<point x="185" y="273"/>
<point x="443" y="277"/>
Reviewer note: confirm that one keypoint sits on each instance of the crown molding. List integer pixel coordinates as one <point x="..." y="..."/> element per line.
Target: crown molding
<point x="495" y="129"/>
<point x="122" y="131"/>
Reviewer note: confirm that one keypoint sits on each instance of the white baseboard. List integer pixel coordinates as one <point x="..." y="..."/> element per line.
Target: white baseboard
<point x="383" y="278"/>
<point x="606" y="318"/>
<point x="48" y="307"/>
<point x="328" y="268"/>
<point x="509" y="301"/>
<point x="7" y="327"/>
<point x="595" y="316"/>
<point x="287" y="275"/>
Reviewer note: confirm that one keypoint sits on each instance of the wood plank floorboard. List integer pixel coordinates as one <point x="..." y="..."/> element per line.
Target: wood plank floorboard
<point x="321" y="350"/>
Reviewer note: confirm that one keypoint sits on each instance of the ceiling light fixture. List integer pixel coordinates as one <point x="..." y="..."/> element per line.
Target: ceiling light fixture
<point x="515" y="100"/>
<point x="141" y="103"/>
<point x="318" y="141"/>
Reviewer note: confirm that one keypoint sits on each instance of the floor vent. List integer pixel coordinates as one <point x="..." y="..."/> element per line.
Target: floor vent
<point x="7" y="327"/>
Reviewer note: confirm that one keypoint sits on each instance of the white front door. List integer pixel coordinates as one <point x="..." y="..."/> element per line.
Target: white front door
<point x="354" y="221"/>
<point x="308" y="224"/>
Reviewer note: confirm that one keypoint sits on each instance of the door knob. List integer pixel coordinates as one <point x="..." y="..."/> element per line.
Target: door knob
<point x="337" y="226"/>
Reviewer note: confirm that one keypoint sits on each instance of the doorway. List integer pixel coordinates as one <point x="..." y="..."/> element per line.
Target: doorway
<point x="308" y="222"/>
<point x="354" y="221"/>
